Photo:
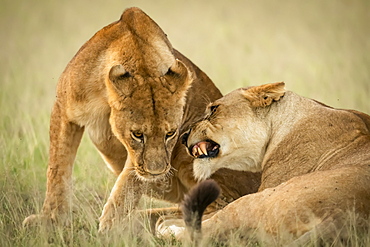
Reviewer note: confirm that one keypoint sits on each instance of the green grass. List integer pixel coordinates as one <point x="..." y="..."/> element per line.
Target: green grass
<point x="319" y="48"/>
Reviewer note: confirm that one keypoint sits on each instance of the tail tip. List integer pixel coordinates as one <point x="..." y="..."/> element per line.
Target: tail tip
<point x="197" y="200"/>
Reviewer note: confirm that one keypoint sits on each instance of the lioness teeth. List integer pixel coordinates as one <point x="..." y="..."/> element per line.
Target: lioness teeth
<point x="203" y="148"/>
<point x="195" y="152"/>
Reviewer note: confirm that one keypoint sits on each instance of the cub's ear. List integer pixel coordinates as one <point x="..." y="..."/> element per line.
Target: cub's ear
<point x="264" y="95"/>
<point x="120" y="81"/>
<point x="177" y="79"/>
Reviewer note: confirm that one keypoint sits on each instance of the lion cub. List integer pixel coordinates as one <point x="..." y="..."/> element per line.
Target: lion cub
<point x="134" y="95"/>
<point x="314" y="159"/>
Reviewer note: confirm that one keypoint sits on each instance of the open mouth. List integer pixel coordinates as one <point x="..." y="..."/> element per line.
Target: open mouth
<point x="205" y="149"/>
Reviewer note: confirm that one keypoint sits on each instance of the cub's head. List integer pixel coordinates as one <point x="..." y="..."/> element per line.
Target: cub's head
<point x="146" y="92"/>
<point x="234" y="131"/>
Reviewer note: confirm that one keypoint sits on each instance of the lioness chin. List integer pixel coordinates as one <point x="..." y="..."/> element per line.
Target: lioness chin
<point x="134" y="95"/>
<point x="314" y="159"/>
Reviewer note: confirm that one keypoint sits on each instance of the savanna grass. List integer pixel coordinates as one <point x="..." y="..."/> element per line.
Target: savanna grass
<point x="319" y="48"/>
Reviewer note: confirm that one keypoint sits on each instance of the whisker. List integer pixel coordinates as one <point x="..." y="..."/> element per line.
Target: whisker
<point x="133" y="173"/>
<point x="173" y="169"/>
<point x="169" y="174"/>
<point x="206" y="98"/>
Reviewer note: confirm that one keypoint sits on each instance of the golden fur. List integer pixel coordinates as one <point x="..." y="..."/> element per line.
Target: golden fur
<point x="135" y="95"/>
<point x="314" y="159"/>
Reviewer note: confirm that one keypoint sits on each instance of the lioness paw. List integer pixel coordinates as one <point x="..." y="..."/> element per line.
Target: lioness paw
<point x="170" y="228"/>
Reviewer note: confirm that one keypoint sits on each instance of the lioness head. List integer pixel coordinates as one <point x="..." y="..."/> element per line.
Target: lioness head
<point x="146" y="92"/>
<point x="234" y="132"/>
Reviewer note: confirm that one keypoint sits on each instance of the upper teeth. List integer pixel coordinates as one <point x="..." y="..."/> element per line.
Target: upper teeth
<point x="200" y="149"/>
<point x="203" y="148"/>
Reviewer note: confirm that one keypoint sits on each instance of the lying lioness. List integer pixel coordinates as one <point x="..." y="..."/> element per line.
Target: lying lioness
<point x="314" y="159"/>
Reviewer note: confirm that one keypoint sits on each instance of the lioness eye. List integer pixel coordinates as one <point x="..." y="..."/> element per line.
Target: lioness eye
<point x="213" y="108"/>
<point x="210" y="111"/>
<point x="170" y="72"/>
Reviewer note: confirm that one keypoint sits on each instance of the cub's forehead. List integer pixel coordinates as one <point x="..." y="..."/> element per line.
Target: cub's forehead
<point x="156" y="96"/>
<point x="152" y="123"/>
<point x="152" y="103"/>
<point x="147" y="104"/>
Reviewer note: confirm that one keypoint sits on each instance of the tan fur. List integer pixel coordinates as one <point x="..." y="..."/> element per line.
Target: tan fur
<point x="135" y="95"/>
<point x="314" y="159"/>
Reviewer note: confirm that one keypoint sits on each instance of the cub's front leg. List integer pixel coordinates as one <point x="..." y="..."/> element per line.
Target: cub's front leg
<point x="65" y="138"/>
<point x="127" y="192"/>
<point x="122" y="200"/>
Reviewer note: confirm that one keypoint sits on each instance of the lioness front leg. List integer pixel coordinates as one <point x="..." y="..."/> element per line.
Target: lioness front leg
<point x="124" y="197"/>
<point x="65" y="138"/>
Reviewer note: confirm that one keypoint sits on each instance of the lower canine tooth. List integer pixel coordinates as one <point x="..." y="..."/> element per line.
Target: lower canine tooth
<point x="195" y="152"/>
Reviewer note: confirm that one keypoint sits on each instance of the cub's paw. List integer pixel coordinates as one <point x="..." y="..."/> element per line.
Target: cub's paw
<point x="105" y="226"/>
<point x="106" y="220"/>
<point x="36" y="220"/>
<point x="113" y="221"/>
<point x="115" y="213"/>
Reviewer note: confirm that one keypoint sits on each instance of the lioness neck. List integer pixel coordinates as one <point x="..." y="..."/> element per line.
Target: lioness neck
<point x="307" y="136"/>
<point x="285" y="113"/>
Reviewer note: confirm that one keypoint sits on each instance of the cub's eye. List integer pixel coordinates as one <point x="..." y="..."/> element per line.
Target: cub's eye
<point x="170" y="134"/>
<point x="124" y="76"/>
<point x="137" y="135"/>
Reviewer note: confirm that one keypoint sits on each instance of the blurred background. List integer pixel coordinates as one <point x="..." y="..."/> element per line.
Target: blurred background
<point x="320" y="49"/>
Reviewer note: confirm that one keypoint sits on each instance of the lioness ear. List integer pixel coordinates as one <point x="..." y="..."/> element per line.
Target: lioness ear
<point x="120" y="81"/>
<point x="176" y="79"/>
<point x="264" y="95"/>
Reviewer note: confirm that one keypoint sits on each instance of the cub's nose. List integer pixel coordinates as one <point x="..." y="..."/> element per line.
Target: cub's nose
<point x="156" y="170"/>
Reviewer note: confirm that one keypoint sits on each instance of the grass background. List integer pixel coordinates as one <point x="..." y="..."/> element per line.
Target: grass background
<point x="320" y="49"/>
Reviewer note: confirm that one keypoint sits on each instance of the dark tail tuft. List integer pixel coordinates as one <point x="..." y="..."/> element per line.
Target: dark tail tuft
<point x="196" y="201"/>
